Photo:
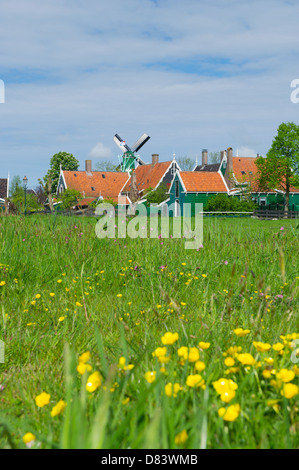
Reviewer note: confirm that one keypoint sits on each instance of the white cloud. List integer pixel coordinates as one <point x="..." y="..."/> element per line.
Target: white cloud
<point x="100" y="151"/>
<point x="192" y="75"/>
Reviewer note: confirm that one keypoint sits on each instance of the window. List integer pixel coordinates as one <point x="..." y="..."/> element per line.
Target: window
<point x="93" y="188"/>
<point x="173" y="169"/>
<point x="103" y="176"/>
<point x="177" y="192"/>
<point x="243" y="172"/>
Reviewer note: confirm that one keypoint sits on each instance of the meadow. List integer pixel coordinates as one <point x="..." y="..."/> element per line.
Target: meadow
<point x="128" y="344"/>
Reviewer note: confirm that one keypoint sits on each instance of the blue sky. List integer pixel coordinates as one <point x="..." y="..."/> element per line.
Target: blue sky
<point x="194" y="74"/>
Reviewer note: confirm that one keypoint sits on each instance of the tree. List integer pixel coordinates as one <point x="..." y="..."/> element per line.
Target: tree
<point x="156" y="196"/>
<point x="186" y="163"/>
<point x="280" y="170"/>
<point x="214" y="157"/>
<point x="46" y="185"/>
<point x="64" y="160"/>
<point x="106" y="165"/>
<point x="69" y="198"/>
<point x="17" y="198"/>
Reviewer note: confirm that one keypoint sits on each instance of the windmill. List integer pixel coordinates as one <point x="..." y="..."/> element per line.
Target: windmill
<point x="127" y="160"/>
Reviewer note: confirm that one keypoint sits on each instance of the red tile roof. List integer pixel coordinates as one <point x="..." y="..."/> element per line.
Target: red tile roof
<point x="148" y="176"/>
<point x="105" y="183"/>
<point x="247" y="165"/>
<point x="197" y="181"/>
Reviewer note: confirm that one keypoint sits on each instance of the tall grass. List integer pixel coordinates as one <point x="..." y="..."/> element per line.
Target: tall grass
<point x="117" y="298"/>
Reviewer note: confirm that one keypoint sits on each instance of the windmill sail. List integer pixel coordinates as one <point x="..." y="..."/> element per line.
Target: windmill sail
<point x="121" y="143"/>
<point x="140" y="142"/>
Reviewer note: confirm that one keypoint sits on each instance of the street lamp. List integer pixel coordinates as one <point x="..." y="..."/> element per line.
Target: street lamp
<point x="25" y="181"/>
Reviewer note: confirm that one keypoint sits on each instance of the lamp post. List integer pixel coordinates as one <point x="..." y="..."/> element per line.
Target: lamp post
<point x="25" y="181"/>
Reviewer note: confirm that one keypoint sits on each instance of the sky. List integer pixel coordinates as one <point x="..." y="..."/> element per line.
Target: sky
<point x="192" y="74"/>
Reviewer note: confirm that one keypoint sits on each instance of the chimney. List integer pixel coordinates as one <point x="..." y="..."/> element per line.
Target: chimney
<point x="204" y="157"/>
<point x="257" y="155"/>
<point x="133" y="187"/>
<point x="155" y="159"/>
<point x="88" y="166"/>
<point x="229" y="168"/>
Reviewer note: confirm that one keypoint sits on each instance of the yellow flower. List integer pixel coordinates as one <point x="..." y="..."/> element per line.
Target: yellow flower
<point x="38" y="296"/>
<point x="269" y="360"/>
<point x="195" y="381"/>
<point x="94" y="381"/>
<point x="78" y="304"/>
<point x="266" y="374"/>
<point x="278" y="347"/>
<point x="28" y="438"/>
<point x="122" y="364"/>
<point x="204" y="345"/>
<point x="261" y="347"/>
<point x="204" y="275"/>
<point x="59" y="281"/>
<point x="285" y="375"/>
<point x="246" y="359"/>
<point x="193" y="355"/>
<point x="199" y="366"/>
<point x="61" y="318"/>
<point x="84" y="357"/>
<point x="183" y="353"/>
<point x="150" y="376"/>
<point x="125" y="401"/>
<point x="160" y="352"/>
<point x="181" y="438"/>
<point x="119" y="295"/>
<point x="58" y="408"/>
<point x="290" y="390"/>
<point x="42" y="399"/>
<point x="231" y="413"/>
<point x="82" y="368"/>
<point x="52" y="294"/>
<point x="172" y="389"/>
<point x="169" y="338"/>
<point x="241" y="332"/>
<point x="229" y="361"/>
<point x="224" y="385"/>
<point x="228" y="396"/>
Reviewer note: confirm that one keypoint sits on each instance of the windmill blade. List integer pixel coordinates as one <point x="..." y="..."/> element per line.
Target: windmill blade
<point x="121" y="143"/>
<point x="140" y="142"/>
<point x="141" y="162"/>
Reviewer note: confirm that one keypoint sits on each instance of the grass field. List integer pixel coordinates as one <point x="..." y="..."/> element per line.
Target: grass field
<point x="88" y="363"/>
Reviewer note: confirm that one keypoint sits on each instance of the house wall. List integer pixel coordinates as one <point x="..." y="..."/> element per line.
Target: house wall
<point x="191" y="198"/>
<point x="275" y="201"/>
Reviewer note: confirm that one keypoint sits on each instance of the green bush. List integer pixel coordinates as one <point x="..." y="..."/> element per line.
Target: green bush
<point x="224" y="203"/>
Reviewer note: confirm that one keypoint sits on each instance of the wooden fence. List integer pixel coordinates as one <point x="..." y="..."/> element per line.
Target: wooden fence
<point x="271" y="214"/>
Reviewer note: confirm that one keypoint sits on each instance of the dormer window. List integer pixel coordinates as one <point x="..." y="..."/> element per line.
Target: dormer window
<point x="243" y="172"/>
<point x="93" y="188"/>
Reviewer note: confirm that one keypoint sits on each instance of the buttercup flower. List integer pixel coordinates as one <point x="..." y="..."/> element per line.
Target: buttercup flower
<point x="58" y="408"/>
<point x="42" y="399"/>
<point x="94" y="381"/>
<point x="261" y="347"/>
<point x="150" y="376"/>
<point x="285" y="375"/>
<point x="241" y="332"/>
<point x="231" y="413"/>
<point x="195" y="381"/>
<point x="29" y="439"/>
<point x="289" y="390"/>
<point x="181" y="438"/>
<point x="169" y="338"/>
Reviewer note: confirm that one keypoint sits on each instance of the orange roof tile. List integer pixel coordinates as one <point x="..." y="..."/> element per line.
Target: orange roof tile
<point x="148" y="176"/>
<point x="199" y="181"/>
<point x="245" y="164"/>
<point x="105" y="183"/>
